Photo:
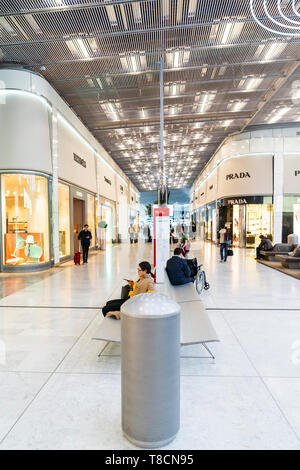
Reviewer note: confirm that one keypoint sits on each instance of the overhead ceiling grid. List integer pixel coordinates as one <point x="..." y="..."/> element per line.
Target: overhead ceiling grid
<point x="225" y="68"/>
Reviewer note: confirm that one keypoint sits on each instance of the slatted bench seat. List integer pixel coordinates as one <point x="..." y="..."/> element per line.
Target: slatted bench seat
<point x="195" y="325"/>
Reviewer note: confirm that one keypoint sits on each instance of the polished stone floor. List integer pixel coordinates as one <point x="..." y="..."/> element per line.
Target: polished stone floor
<point x="56" y="394"/>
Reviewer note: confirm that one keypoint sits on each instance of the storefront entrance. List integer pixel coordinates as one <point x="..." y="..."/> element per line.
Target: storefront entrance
<point x="246" y="221"/>
<point x="78" y="220"/>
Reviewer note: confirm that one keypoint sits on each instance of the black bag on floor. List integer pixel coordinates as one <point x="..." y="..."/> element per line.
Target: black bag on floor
<point x="230" y="252"/>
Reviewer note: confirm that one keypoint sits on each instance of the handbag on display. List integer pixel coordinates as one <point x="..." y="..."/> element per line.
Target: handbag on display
<point x="230" y="252"/>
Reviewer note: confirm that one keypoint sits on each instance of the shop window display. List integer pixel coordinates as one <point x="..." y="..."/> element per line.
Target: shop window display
<point x="259" y="222"/>
<point x="25" y="219"/>
<point x="291" y="216"/>
<point x="64" y="219"/>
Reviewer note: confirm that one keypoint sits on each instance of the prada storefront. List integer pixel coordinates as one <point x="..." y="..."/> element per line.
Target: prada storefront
<point x="245" y="198"/>
<point x="247" y="217"/>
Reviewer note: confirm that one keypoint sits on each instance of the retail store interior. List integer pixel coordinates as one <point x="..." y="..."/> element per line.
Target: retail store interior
<point x="129" y="129"/>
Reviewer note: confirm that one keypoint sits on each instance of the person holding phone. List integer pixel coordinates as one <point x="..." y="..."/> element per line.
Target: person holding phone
<point x="143" y="285"/>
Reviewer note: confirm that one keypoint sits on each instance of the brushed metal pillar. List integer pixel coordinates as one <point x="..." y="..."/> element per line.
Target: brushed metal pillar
<point x="150" y="365"/>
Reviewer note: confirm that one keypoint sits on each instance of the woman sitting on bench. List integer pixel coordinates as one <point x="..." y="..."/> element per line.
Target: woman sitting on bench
<point x="143" y="285"/>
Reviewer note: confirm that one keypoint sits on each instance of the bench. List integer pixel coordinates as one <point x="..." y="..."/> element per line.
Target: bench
<point x="278" y="249"/>
<point x="195" y="325"/>
<point x="289" y="262"/>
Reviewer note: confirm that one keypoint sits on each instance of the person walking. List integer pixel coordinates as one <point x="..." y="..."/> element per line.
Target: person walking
<point x="184" y="243"/>
<point x="85" y="237"/>
<point x="224" y="243"/>
<point x="131" y="232"/>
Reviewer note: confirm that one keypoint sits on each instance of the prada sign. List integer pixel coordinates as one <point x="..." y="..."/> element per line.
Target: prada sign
<point x="249" y="175"/>
<point x="241" y="200"/>
<point x="292" y="174"/>
<point x="241" y="175"/>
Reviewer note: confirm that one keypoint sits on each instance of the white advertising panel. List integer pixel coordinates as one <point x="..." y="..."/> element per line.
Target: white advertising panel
<point x="211" y="188"/>
<point x="251" y="175"/>
<point x="21" y="148"/>
<point x="292" y="174"/>
<point x="202" y="195"/>
<point x="76" y="162"/>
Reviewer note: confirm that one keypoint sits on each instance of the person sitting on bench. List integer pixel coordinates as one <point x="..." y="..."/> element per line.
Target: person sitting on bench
<point x="144" y="285"/>
<point x="265" y="245"/>
<point x="178" y="270"/>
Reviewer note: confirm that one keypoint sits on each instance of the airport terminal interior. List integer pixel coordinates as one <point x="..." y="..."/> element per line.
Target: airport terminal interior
<point x="130" y="129"/>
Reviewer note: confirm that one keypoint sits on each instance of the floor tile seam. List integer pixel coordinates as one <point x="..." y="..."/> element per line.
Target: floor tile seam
<point x="260" y="377"/>
<point x="280" y="408"/>
<point x="45" y="383"/>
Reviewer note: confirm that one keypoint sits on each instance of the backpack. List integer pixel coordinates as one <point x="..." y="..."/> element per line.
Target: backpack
<point x="226" y="237"/>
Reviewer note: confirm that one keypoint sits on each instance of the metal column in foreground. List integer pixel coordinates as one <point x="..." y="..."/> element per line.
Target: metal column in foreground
<point x="150" y="358"/>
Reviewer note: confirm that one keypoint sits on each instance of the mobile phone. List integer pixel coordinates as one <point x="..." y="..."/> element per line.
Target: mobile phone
<point x="128" y="280"/>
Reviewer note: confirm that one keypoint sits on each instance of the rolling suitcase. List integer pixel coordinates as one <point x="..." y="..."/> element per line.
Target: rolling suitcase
<point x="77" y="257"/>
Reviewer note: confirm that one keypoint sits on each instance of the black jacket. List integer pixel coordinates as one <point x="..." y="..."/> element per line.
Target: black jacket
<point x="178" y="271"/>
<point x="85" y="237"/>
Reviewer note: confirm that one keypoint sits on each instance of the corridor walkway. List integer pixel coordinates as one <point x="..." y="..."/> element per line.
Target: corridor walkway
<point x="56" y="394"/>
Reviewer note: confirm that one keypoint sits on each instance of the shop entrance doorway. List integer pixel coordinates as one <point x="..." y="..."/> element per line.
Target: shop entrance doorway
<point x="78" y="220"/>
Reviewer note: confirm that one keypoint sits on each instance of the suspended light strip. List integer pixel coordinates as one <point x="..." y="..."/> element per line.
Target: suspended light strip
<point x="279" y="115"/>
<point x="83" y="48"/>
<point x="226" y="33"/>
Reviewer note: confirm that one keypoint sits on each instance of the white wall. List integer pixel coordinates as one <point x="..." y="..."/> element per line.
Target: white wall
<point x="245" y="176"/>
<point x="292" y="174"/>
<point x="261" y="145"/>
<point x="24" y="134"/>
<point x="106" y="189"/>
<point x="32" y="127"/>
<point x="68" y="169"/>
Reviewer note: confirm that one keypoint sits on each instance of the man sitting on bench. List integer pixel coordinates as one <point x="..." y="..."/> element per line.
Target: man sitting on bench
<point x="265" y="245"/>
<point x="178" y="270"/>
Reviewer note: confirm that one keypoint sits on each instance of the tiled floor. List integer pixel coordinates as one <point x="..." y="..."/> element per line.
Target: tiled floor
<point x="56" y="394"/>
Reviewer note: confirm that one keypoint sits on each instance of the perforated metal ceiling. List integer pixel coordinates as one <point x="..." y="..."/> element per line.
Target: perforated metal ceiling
<point x="222" y="72"/>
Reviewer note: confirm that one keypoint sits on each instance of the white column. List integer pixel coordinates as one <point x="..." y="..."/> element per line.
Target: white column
<point x="98" y="214"/>
<point x="278" y="190"/>
<point x="55" y="218"/>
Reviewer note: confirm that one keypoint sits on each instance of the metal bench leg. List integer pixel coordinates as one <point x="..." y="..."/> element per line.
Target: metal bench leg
<point x="208" y="350"/>
<point x="103" y="349"/>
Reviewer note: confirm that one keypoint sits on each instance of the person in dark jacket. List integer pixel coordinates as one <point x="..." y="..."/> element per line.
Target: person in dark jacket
<point x="85" y="237"/>
<point x="265" y="245"/>
<point x="178" y="270"/>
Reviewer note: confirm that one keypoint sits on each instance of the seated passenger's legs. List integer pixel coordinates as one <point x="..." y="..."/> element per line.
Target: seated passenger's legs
<point x="113" y="305"/>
